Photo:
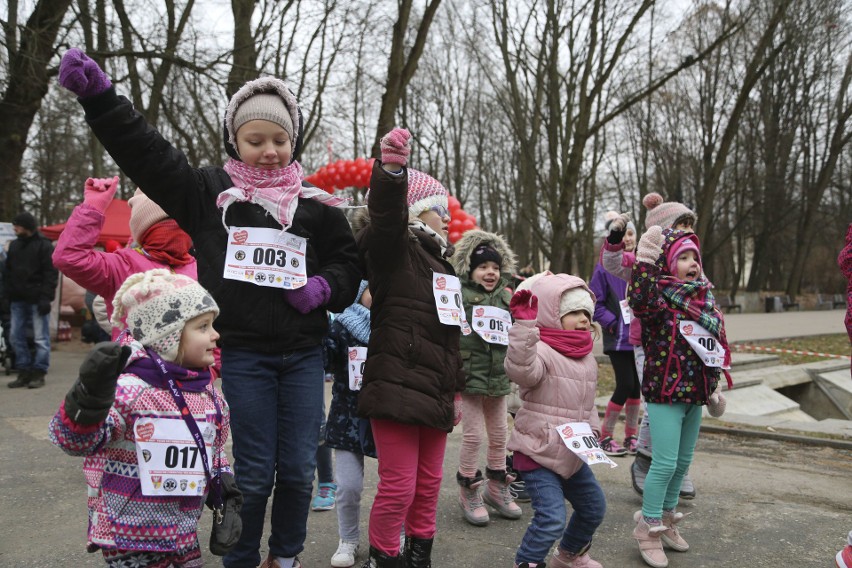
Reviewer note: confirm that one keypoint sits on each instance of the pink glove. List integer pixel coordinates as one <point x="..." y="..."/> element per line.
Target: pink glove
<point x="650" y="245"/>
<point x="99" y="192"/>
<point x="457" y="409"/>
<point x="524" y="305"/>
<point x="81" y="75"/>
<point x="396" y="147"/>
<point x="309" y="297"/>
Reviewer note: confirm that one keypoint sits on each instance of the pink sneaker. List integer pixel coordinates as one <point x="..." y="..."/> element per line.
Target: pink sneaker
<point x="631" y="444"/>
<point x="611" y="448"/>
<point x="844" y="557"/>
<point x="564" y="559"/>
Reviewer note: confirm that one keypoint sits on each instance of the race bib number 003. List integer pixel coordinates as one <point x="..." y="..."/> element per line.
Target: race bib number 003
<point x="266" y="257"/>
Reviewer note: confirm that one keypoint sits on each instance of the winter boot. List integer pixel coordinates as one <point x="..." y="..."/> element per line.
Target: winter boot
<point x="687" y="488"/>
<point x="379" y="559"/>
<point x="671" y="537"/>
<point x="36" y="379"/>
<point x="530" y="565"/>
<point x="23" y="379"/>
<point x="470" y="499"/>
<point x="498" y="495"/>
<point x="650" y="545"/>
<point x="639" y="471"/>
<point x="418" y="552"/>
<point x="563" y="559"/>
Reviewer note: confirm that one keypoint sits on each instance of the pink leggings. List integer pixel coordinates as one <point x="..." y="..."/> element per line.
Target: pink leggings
<point x="480" y="415"/>
<point x="410" y="469"/>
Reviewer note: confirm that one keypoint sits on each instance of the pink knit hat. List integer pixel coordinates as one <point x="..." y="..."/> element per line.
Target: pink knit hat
<point x="685" y="243"/>
<point x="424" y="192"/>
<point x="143" y="214"/>
<point x="665" y="213"/>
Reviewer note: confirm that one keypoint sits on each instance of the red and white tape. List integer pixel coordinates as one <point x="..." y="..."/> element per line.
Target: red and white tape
<point x="739" y="346"/>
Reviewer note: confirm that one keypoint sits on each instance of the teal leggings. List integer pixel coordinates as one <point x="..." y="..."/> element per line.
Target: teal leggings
<point x="674" y="429"/>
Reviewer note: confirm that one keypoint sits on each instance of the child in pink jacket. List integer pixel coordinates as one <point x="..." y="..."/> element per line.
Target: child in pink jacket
<point x="157" y="243"/>
<point x="550" y="358"/>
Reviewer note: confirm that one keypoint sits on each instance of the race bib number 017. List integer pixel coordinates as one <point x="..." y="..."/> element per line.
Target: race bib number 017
<point x="169" y="460"/>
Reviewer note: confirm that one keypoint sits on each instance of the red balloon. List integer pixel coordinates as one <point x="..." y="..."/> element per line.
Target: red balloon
<point x="454" y="236"/>
<point x="468" y="224"/>
<point x="456" y="225"/>
<point x="453" y="204"/>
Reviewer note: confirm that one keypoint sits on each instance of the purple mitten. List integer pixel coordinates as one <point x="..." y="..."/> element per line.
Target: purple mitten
<point x="309" y="297"/>
<point x="81" y="75"/>
<point x="395" y="147"/>
<point x="99" y="192"/>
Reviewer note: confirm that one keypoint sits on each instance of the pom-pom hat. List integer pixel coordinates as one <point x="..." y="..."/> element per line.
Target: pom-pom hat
<point x="424" y="192"/>
<point x="156" y="305"/>
<point x="665" y="213"/>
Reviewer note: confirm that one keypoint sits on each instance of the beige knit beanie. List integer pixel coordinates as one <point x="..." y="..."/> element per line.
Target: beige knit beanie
<point x="143" y="214"/>
<point x="265" y="106"/>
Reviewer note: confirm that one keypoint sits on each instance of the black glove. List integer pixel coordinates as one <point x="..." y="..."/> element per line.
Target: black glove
<point x="617" y="229"/>
<point x="91" y="397"/>
<point x="227" y="529"/>
<point x="43" y="307"/>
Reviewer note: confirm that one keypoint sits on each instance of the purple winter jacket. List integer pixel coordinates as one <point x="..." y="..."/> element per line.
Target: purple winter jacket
<point x="609" y="291"/>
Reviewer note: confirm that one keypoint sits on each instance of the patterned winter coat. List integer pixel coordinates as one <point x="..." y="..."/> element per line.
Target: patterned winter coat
<point x="554" y="389"/>
<point x="120" y="517"/>
<point x="483" y="361"/>
<point x="671" y="366"/>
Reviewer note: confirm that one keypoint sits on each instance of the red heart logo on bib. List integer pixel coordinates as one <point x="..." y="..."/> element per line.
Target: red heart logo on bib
<point x="441" y="283"/>
<point x="353" y="355"/>
<point x="144" y="432"/>
<point x="241" y="237"/>
<point x="687" y="330"/>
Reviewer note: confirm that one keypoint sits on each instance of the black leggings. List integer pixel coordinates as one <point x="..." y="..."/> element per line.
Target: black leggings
<point x="626" y="379"/>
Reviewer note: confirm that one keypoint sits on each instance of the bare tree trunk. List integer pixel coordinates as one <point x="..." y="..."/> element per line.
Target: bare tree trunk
<point x="244" y="67"/>
<point x="27" y="84"/>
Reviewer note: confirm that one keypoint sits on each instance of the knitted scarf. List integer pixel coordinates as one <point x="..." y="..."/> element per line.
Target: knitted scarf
<point x="277" y="191"/>
<point x="694" y="299"/>
<point x="570" y="343"/>
<point x="417" y="225"/>
<point x="167" y="243"/>
<point x="190" y="380"/>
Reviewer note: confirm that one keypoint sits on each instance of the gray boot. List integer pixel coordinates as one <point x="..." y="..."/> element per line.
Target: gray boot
<point x="36" y="379"/>
<point x="23" y="379"/>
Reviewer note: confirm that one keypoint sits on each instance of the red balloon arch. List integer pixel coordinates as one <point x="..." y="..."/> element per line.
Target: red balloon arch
<point x="356" y="173"/>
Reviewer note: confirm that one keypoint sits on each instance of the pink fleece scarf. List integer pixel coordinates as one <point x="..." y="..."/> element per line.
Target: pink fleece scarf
<point x="277" y="191"/>
<point x="570" y="343"/>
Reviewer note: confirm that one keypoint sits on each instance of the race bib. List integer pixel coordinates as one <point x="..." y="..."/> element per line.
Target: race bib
<point x="704" y="343"/>
<point x="626" y="312"/>
<point x="492" y="324"/>
<point x="448" y="301"/>
<point x="357" y="358"/>
<point x="169" y="460"/>
<point x="266" y="257"/>
<point x="578" y="437"/>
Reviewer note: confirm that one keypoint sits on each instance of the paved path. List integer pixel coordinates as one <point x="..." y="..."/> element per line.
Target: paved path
<point x="760" y="503"/>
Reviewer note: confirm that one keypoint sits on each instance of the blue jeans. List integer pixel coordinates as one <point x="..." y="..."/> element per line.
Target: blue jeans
<point x="276" y="405"/>
<point x="25" y="315"/>
<point x="548" y="492"/>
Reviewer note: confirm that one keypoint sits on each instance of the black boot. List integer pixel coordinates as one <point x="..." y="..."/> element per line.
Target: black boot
<point x="36" y="379"/>
<point x="24" y="378"/>
<point x="379" y="559"/>
<point x="418" y="552"/>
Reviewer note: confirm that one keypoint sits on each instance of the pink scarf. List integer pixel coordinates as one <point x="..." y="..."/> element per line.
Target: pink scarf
<point x="277" y="191"/>
<point x="574" y="344"/>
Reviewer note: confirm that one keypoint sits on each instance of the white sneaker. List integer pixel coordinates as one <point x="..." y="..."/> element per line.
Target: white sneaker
<point x="345" y="555"/>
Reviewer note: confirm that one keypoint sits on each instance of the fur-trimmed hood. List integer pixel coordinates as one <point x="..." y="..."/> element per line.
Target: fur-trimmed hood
<point x="472" y="239"/>
<point x="264" y="85"/>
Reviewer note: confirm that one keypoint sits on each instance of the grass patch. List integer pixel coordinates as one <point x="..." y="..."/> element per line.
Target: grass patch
<point x="835" y="344"/>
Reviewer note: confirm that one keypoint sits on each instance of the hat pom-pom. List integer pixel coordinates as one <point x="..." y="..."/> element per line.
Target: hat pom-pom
<point x="652" y="200"/>
<point x="610" y="215"/>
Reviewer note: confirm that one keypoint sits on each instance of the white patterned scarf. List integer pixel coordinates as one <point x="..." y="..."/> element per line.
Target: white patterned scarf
<point x="417" y="225"/>
<point x="277" y="191"/>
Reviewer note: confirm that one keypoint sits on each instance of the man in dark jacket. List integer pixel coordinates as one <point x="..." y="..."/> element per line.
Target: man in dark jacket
<point x="30" y="284"/>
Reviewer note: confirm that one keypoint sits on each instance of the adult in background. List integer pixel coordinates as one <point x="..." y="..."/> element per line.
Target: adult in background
<point x="30" y="284"/>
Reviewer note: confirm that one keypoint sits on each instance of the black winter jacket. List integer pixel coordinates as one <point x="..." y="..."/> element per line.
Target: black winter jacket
<point x="251" y="317"/>
<point x="29" y="275"/>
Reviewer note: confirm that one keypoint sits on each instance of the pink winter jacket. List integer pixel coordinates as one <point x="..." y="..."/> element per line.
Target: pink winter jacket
<point x="101" y="272"/>
<point x="554" y="389"/>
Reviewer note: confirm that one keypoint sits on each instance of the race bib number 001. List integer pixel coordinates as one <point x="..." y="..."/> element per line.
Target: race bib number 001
<point x="579" y="438"/>
<point x="448" y="301"/>
<point x="169" y="460"/>
<point x="266" y="257"/>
